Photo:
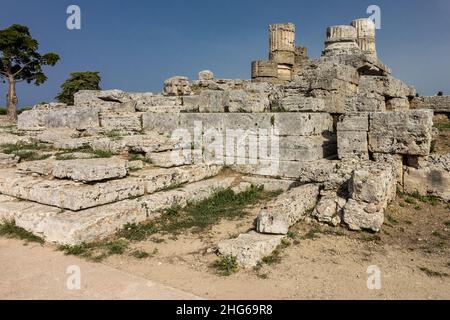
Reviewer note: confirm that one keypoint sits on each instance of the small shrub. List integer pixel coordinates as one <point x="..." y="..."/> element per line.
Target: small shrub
<point x="139" y="254"/>
<point x="226" y="265"/>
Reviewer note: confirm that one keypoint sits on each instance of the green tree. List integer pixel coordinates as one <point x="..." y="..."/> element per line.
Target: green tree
<point x="20" y="61"/>
<point x="78" y="81"/>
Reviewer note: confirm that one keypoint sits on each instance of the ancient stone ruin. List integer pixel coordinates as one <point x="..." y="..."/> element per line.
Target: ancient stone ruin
<point x="338" y="134"/>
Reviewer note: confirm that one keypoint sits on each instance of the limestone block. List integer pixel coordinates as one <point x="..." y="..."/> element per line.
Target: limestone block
<point x="300" y="103"/>
<point x="247" y="121"/>
<point x="78" y="118"/>
<point x="121" y="121"/>
<point x="162" y="123"/>
<point x="151" y="102"/>
<point x="375" y="184"/>
<point x="249" y="248"/>
<point x="363" y="216"/>
<point x="243" y="101"/>
<point x="170" y="159"/>
<point x="431" y="178"/>
<point x="395" y="160"/>
<point x="91" y="99"/>
<point x="370" y="102"/>
<point x="287" y="209"/>
<point x="177" y="86"/>
<point x="83" y="170"/>
<point x="401" y="132"/>
<point x="352" y="145"/>
<point x="435" y="103"/>
<point x="201" y="122"/>
<point x="330" y="209"/>
<point x="397" y="104"/>
<point x="387" y="86"/>
<point x="354" y="122"/>
<point x="271" y="185"/>
<point x="160" y="179"/>
<point x="212" y="101"/>
<point x="205" y="75"/>
<point x="68" y="194"/>
<point x="303" y="124"/>
<point x="301" y="148"/>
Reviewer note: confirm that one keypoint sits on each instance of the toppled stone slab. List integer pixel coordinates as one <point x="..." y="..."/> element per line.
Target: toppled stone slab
<point x="287" y="209"/>
<point x="430" y="178"/>
<point x="250" y="248"/>
<point x="401" y="132"/>
<point x="83" y="170"/>
<point x="79" y="118"/>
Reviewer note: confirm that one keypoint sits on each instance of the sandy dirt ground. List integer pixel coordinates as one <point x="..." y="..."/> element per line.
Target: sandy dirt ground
<point x="413" y="258"/>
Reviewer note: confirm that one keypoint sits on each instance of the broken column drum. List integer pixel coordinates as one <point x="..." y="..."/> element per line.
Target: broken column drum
<point x="282" y="48"/>
<point x="366" y="30"/>
<point x="341" y="39"/>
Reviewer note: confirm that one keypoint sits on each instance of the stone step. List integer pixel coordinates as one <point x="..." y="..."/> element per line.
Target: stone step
<point x="77" y="196"/>
<point x="72" y="228"/>
<point x="82" y="170"/>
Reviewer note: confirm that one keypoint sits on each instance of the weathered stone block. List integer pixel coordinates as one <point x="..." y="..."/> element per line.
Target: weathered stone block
<point x="430" y="178"/>
<point x="300" y="103"/>
<point x="352" y="145"/>
<point x="354" y="122"/>
<point x="121" y="121"/>
<point x="401" y="132"/>
<point x="286" y="210"/>
<point x="177" y="86"/>
<point x="78" y="118"/>
<point x="249" y="248"/>
<point x="363" y="216"/>
<point x="435" y="103"/>
<point x="330" y="209"/>
<point x="68" y="194"/>
<point x="397" y="104"/>
<point x="374" y="185"/>
<point x="303" y="124"/>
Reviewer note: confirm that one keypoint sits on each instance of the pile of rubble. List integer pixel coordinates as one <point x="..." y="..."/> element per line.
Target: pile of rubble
<point x="338" y="134"/>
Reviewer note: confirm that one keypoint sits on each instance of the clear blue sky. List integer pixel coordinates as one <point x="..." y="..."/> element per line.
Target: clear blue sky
<point x="137" y="44"/>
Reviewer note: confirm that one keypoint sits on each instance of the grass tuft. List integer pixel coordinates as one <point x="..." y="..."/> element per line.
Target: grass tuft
<point x="10" y="230"/>
<point x="434" y="274"/>
<point x="226" y="265"/>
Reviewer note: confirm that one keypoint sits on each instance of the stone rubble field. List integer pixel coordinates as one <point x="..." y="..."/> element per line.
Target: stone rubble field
<point x="350" y="135"/>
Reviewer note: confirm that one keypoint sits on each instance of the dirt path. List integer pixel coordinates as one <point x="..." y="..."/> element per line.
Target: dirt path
<point x="413" y="259"/>
<point x="412" y="254"/>
<point x="39" y="272"/>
